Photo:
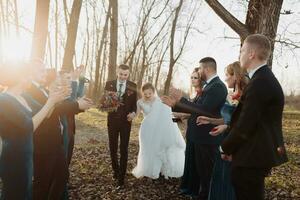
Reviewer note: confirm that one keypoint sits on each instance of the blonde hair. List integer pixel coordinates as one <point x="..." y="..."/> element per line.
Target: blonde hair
<point x="192" y="89"/>
<point x="261" y="44"/>
<point x="235" y="69"/>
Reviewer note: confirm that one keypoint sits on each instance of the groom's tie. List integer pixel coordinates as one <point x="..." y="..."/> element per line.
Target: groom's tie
<point x="120" y="90"/>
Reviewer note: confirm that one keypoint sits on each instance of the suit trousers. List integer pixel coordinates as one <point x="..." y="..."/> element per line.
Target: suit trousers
<point x="205" y="155"/>
<point x="249" y="183"/>
<point x="119" y="129"/>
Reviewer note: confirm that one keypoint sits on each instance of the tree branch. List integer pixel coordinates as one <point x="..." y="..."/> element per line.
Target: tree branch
<point x="228" y="18"/>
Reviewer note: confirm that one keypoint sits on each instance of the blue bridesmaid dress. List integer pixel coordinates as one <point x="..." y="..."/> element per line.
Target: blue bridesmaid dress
<point x="16" y="160"/>
<point x="221" y="188"/>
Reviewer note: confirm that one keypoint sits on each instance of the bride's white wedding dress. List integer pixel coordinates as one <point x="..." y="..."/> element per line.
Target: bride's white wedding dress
<point x="161" y="143"/>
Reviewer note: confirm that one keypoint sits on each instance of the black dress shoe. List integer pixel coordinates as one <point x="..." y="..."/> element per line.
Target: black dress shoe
<point x="184" y="192"/>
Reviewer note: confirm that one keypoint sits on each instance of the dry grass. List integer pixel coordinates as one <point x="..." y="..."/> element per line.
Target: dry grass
<point x="91" y="172"/>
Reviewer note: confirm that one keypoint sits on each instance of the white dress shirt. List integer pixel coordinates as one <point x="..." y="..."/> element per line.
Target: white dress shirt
<point x="123" y="86"/>
<point x="252" y="72"/>
<point x="209" y="80"/>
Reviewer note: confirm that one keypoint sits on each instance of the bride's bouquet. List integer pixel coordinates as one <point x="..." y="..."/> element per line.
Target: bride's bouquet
<point x="109" y="102"/>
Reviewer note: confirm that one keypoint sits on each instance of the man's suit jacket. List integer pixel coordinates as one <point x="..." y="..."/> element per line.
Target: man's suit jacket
<point x="129" y="99"/>
<point x="255" y="138"/>
<point x="209" y="104"/>
<point x="48" y="136"/>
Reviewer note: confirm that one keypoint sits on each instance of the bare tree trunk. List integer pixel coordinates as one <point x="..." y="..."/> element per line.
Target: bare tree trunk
<point x="172" y="57"/>
<point x="262" y="17"/>
<point x="66" y="13"/>
<point x="50" y="50"/>
<point x="4" y="28"/>
<point x="40" y="29"/>
<point x="113" y="48"/>
<point x="56" y="35"/>
<point x="102" y="42"/>
<point x="159" y="65"/>
<point x="71" y="37"/>
<point x="7" y="16"/>
<point x="88" y="37"/>
<point x="135" y="68"/>
<point x="103" y="71"/>
<point x="16" y="18"/>
<point x="141" y="34"/>
<point x="144" y="66"/>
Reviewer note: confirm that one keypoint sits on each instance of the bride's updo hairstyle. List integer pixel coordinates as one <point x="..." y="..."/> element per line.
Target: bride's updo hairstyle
<point x="147" y="86"/>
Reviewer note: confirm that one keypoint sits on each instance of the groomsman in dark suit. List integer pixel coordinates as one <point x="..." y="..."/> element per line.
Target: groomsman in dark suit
<point x="119" y="122"/>
<point x="203" y="144"/>
<point x="255" y="139"/>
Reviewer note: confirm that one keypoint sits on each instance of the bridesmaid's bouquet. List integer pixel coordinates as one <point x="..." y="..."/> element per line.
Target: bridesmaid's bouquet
<point x="109" y="102"/>
<point x="233" y="98"/>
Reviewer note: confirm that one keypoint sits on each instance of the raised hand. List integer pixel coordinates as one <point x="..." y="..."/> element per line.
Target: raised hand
<point x="202" y="120"/>
<point x="57" y="94"/>
<point x="176" y="94"/>
<point x="85" y="103"/>
<point x="169" y="101"/>
<point x="79" y="71"/>
<point x="218" y="130"/>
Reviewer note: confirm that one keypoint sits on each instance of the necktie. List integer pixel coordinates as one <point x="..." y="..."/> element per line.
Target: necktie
<point x="120" y="90"/>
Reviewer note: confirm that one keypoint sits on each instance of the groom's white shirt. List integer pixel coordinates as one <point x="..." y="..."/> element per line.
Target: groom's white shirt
<point x="123" y="86"/>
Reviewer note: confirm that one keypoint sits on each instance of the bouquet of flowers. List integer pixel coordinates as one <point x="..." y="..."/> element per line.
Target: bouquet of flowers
<point x="109" y="102"/>
<point x="233" y="98"/>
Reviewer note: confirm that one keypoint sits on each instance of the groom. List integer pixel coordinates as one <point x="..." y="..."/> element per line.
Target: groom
<point x="119" y="122"/>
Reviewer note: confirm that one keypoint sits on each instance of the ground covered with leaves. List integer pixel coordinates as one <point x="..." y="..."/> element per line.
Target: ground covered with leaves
<point x="91" y="174"/>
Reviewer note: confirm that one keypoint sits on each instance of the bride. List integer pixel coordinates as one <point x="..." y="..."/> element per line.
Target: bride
<point x="161" y="143"/>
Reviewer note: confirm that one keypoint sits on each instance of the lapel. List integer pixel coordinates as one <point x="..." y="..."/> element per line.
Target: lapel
<point x="207" y="87"/>
<point x="126" y="89"/>
<point x="263" y="68"/>
<point x="236" y="113"/>
<point x="210" y="83"/>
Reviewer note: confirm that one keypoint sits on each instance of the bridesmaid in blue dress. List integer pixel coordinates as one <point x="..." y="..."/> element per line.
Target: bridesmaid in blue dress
<point x="221" y="188"/>
<point x="190" y="180"/>
<point x="16" y="130"/>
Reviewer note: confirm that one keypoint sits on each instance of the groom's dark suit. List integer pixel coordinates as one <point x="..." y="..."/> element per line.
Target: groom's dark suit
<point x="210" y="103"/>
<point x="118" y="124"/>
<point x="255" y="139"/>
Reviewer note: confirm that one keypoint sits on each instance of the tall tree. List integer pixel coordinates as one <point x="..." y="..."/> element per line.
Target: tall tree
<point x="39" y="40"/>
<point x="16" y="18"/>
<point x="262" y="17"/>
<point x="99" y="53"/>
<point x="113" y="45"/>
<point x="173" y="56"/>
<point x="72" y="35"/>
